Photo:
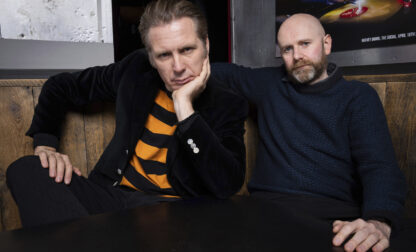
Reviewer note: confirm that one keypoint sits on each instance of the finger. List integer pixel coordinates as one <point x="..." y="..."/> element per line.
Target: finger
<point x="336" y="228"/>
<point x="60" y="168"/>
<point x="43" y="159"/>
<point x="68" y="169"/>
<point x="77" y="171"/>
<point x="205" y="63"/>
<point x="337" y="222"/>
<point x="208" y="71"/>
<point x="203" y="73"/>
<point x="208" y="68"/>
<point x="357" y="240"/>
<point x="381" y="245"/>
<point x="52" y="165"/>
<point x="368" y="243"/>
<point x="343" y="233"/>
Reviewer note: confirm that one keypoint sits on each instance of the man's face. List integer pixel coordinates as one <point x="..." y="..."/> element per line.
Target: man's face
<point x="177" y="52"/>
<point x="304" y="51"/>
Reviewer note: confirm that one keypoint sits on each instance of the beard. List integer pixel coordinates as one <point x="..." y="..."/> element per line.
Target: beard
<point x="306" y="72"/>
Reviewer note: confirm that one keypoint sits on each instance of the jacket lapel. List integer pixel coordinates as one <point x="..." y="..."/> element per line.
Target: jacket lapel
<point x="143" y="99"/>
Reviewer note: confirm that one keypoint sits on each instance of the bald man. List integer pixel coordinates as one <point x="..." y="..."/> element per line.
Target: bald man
<point x="324" y="141"/>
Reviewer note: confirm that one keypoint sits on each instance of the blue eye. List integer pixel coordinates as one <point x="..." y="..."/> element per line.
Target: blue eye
<point x="187" y="49"/>
<point x="163" y="55"/>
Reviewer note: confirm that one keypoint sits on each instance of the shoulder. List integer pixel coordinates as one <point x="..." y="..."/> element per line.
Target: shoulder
<point x="135" y="63"/>
<point x="361" y="97"/>
<point x="219" y="98"/>
<point x="357" y="88"/>
<point x="221" y="68"/>
<point x="222" y="93"/>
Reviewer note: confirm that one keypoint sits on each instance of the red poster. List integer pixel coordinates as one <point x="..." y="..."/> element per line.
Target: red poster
<point x="358" y="24"/>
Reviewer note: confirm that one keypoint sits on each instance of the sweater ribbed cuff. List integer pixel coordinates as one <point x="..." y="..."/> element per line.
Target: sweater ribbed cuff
<point x="44" y="139"/>
<point x="390" y="218"/>
<point x="184" y="125"/>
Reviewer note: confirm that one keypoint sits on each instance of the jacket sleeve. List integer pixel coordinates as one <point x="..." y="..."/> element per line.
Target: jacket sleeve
<point x="383" y="183"/>
<point x="243" y="80"/>
<point x="216" y="150"/>
<point x="78" y="89"/>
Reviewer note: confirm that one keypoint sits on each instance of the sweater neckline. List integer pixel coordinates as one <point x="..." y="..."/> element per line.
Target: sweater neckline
<point x="334" y="74"/>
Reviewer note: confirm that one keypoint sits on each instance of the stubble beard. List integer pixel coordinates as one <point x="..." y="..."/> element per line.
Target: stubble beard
<point x="309" y="73"/>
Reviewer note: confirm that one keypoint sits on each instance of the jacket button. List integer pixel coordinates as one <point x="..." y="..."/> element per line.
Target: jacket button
<point x="190" y="141"/>
<point x="196" y="150"/>
<point x="119" y="171"/>
<point x="115" y="183"/>
<point x="127" y="152"/>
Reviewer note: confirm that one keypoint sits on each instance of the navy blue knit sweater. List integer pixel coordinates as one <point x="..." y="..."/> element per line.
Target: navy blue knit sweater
<point x="329" y="139"/>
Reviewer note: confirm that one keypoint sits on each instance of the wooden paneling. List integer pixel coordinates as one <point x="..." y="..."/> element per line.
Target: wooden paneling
<point x="99" y="129"/>
<point x="251" y="140"/>
<point x="22" y="83"/>
<point x="86" y="133"/>
<point x="84" y="136"/>
<point x="72" y="142"/>
<point x="400" y="109"/>
<point x="384" y="78"/>
<point x="16" y="109"/>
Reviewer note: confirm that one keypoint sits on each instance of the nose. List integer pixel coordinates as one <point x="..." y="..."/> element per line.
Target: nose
<point x="297" y="54"/>
<point x="178" y="65"/>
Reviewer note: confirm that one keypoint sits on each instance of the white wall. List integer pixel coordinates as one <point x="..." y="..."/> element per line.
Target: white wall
<point x="57" y="20"/>
<point x="55" y="34"/>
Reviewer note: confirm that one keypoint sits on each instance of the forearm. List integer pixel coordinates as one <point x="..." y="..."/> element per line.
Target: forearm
<point x="242" y="80"/>
<point x="372" y="151"/>
<point x="383" y="196"/>
<point x="66" y="90"/>
<point x="217" y="159"/>
<point x="183" y="108"/>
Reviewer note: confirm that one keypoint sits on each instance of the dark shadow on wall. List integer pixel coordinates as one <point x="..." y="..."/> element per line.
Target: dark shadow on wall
<point x="126" y="16"/>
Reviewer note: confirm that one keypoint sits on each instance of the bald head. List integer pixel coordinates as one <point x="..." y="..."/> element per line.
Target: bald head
<point x="304" y="47"/>
<point x="299" y="23"/>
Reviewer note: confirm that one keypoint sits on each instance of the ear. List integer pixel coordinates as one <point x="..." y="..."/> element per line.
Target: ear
<point x="327" y="44"/>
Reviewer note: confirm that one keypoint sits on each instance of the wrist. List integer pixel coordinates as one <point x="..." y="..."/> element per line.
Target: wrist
<point x="381" y="220"/>
<point x="183" y="109"/>
<point x="382" y="226"/>
<point x="45" y="139"/>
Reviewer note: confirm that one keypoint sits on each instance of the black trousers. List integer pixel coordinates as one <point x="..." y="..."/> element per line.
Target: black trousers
<point x="320" y="208"/>
<point x="328" y="210"/>
<point x="42" y="201"/>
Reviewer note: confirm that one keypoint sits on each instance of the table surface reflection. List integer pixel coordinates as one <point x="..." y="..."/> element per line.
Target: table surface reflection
<point x="203" y="224"/>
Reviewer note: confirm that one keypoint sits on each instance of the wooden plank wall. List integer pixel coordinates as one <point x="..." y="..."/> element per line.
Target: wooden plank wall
<point x="86" y="134"/>
<point x="398" y="95"/>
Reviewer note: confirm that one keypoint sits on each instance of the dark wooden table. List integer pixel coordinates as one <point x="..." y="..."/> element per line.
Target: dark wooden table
<point x="239" y="224"/>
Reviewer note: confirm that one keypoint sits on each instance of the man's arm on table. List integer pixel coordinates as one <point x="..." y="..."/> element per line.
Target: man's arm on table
<point x="382" y="181"/>
<point x="72" y="89"/>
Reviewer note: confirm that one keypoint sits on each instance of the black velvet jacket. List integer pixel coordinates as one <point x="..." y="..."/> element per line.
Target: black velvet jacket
<point x="217" y="126"/>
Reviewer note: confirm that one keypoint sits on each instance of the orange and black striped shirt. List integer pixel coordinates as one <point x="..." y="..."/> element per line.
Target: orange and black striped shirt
<point x="147" y="170"/>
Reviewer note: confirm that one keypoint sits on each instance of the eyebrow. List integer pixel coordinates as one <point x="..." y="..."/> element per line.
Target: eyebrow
<point x="183" y="47"/>
<point x="297" y="42"/>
